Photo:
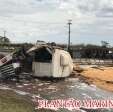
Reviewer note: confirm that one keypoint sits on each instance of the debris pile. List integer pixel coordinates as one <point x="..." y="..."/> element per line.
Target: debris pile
<point x="99" y="75"/>
<point x="40" y="61"/>
<point x="78" y="69"/>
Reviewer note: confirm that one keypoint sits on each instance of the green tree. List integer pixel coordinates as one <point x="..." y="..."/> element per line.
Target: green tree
<point x="104" y="43"/>
<point x="4" y="40"/>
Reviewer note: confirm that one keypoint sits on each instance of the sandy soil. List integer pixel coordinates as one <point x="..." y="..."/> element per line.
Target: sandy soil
<point x="100" y="76"/>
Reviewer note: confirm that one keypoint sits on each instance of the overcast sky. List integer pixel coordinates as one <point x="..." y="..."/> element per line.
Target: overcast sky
<point x="31" y="20"/>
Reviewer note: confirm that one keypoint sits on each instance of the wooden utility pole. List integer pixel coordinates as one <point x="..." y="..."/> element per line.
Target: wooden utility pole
<point x="69" y="34"/>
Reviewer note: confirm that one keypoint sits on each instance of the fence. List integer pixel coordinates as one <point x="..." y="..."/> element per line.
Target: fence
<point x="88" y="61"/>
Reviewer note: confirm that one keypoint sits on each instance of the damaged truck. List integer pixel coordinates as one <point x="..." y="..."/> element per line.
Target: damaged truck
<point x="40" y="61"/>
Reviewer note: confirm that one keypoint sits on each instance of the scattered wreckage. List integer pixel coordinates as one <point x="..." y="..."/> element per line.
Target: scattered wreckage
<point x="40" y="61"/>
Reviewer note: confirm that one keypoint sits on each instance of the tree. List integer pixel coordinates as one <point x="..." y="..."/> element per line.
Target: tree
<point x="4" y="40"/>
<point x="104" y="43"/>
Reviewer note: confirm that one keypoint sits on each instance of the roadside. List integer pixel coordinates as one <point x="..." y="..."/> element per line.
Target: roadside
<point x="12" y="102"/>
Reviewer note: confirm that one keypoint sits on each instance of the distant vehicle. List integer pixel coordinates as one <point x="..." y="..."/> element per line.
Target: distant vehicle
<point x="40" y="42"/>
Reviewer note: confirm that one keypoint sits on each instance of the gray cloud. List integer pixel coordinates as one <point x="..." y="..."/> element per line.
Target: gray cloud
<point x="30" y="20"/>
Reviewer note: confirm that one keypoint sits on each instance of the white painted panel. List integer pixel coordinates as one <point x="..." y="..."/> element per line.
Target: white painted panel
<point x="42" y="69"/>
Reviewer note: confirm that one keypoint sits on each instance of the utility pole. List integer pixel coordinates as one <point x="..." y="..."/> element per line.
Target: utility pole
<point x="69" y="34"/>
<point x="4" y="33"/>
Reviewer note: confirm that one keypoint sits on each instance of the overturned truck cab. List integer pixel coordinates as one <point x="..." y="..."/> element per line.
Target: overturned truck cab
<point x="51" y="62"/>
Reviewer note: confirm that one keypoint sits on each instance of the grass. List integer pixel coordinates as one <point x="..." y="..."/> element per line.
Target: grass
<point x="11" y="102"/>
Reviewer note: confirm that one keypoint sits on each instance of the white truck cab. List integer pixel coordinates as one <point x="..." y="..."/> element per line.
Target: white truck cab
<point x="51" y="62"/>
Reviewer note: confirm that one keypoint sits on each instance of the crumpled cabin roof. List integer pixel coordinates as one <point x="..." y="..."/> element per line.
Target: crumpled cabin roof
<point x="48" y="47"/>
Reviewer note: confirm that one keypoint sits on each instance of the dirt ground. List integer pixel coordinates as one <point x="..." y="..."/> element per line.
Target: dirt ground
<point x="102" y="77"/>
<point x="19" y="97"/>
<point x="22" y="96"/>
<point x="12" y="102"/>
